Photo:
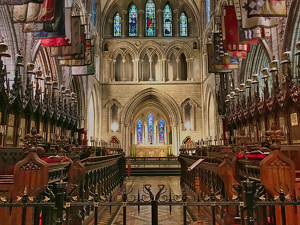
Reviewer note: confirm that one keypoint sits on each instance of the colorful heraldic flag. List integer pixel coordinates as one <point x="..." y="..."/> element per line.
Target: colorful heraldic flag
<point x="18" y="2"/>
<point x="266" y="8"/>
<point x="57" y="28"/>
<point x="34" y="12"/>
<point x="241" y="7"/>
<point x="231" y="25"/>
<point x="87" y="69"/>
<point x="75" y="47"/>
<point x="61" y="40"/>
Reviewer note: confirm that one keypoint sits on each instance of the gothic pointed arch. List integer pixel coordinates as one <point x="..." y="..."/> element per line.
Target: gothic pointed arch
<point x="113" y="108"/>
<point x="189" y="107"/>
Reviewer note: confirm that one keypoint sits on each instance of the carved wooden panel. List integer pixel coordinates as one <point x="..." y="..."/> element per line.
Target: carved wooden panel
<point x="278" y="172"/>
<point x="32" y="173"/>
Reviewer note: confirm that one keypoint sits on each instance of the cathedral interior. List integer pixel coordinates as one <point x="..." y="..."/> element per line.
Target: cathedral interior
<point x="149" y="112"/>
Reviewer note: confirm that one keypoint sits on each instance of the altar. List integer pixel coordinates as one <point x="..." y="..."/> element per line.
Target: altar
<point x="152" y="150"/>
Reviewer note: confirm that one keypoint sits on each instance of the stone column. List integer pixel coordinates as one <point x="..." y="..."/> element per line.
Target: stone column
<point x="190" y="28"/>
<point x="142" y="70"/>
<point x="141" y="23"/>
<point x="160" y="70"/>
<point x="123" y="24"/>
<point x="191" y="69"/>
<point x="163" y="74"/>
<point x="174" y="140"/>
<point x="137" y="70"/>
<point x="165" y="133"/>
<point x="135" y="135"/>
<point x="123" y="70"/>
<point x="159" y="22"/>
<point x="134" y="70"/>
<point x="151" y="78"/>
<point x="111" y="28"/>
<point x="188" y="69"/>
<point x="177" y="61"/>
<point x="146" y="135"/>
<point x="176" y="23"/>
<point x="114" y="70"/>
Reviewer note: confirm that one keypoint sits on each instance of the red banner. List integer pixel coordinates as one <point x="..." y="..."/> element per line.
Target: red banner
<point x="231" y="26"/>
<point x="47" y="10"/>
<point x="55" y="42"/>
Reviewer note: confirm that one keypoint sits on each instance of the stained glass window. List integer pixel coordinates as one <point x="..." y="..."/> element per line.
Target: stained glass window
<point x="133" y="21"/>
<point x="207" y="11"/>
<point x="150" y="18"/>
<point x="183" y="25"/>
<point x="167" y="21"/>
<point x="139" y="131"/>
<point x="161" y="125"/>
<point x="150" y="127"/>
<point x="94" y="12"/>
<point x="117" y="25"/>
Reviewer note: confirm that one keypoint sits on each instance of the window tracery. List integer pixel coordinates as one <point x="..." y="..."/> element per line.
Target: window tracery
<point x="183" y="25"/>
<point x="117" y="25"/>
<point x="167" y="21"/>
<point x="150" y="18"/>
<point x="133" y="21"/>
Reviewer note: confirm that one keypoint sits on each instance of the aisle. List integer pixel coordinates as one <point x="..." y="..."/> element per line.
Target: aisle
<point x="144" y="218"/>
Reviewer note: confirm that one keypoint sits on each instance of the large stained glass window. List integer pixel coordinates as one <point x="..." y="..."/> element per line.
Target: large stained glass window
<point x="139" y="131"/>
<point x="167" y="21"/>
<point x="161" y="125"/>
<point x="117" y="25"/>
<point x="150" y="18"/>
<point x="183" y="25"/>
<point x="150" y="128"/>
<point x="207" y="11"/>
<point x="133" y="21"/>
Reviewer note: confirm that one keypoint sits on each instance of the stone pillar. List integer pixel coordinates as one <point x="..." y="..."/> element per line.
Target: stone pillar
<point x="146" y="135"/>
<point x="123" y="24"/>
<point x="151" y="78"/>
<point x="188" y="69"/>
<point x="165" y="133"/>
<point x="135" y="135"/>
<point x="114" y="70"/>
<point x="159" y="22"/>
<point x="142" y="70"/>
<point x="134" y="70"/>
<point x="111" y="28"/>
<point x="174" y="140"/>
<point x="160" y="70"/>
<point x="176" y="23"/>
<point x="163" y="74"/>
<point x="123" y="70"/>
<point x="141" y="23"/>
<point x="126" y="140"/>
<point x="191" y="69"/>
<point x="177" y="61"/>
<point x="137" y="70"/>
<point x="111" y="70"/>
<point x="190" y="28"/>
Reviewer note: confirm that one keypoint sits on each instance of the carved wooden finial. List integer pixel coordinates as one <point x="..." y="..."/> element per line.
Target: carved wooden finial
<point x="274" y="136"/>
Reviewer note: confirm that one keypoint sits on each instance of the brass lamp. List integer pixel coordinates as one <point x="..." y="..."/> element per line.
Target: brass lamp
<point x="236" y="91"/>
<point x="242" y="86"/>
<point x="254" y="79"/>
<point x="232" y="95"/>
<point x="265" y="73"/>
<point x="30" y="68"/>
<point x="274" y="65"/>
<point x="248" y="83"/>
<point x="298" y="48"/>
<point x="227" y="98"/>
<point x="3" y="49"/>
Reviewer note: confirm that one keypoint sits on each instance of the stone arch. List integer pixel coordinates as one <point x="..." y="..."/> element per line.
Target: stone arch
<point x="114" y="139"/>
<point x="187" y="140"/>
<point x="151" y="48"/>
<point x="123" y="48"/>
<point x="210" y="100"/>
<point x="179" y="47"/>
<point x="108" y="107"/>
<point x="192" y="112"/>
<point x="193" y="20"/>
<point x="108" y="22"/>
<point x="173" y="4"/>
<point x="156" y="97"/>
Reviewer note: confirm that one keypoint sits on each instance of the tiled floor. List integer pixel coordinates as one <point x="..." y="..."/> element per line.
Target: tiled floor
<point x="144" y="217"/>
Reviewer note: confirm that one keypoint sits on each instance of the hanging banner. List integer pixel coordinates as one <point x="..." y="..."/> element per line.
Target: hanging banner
<point x="75" y="47"/>
<point x="231" y="26"/>
<point x="266" y="8"/>
<point x="85" y="70"/>
<point x="19" y="2"/>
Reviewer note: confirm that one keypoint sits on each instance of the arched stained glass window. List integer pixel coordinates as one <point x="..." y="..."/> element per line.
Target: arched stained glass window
<point x="139" y="127"/>
<point x="150" y="127"/>
<point x="167" y="21"/>
<point x="207" y="11"/>
<point x="133" y="21"/>
<point x="150" y="18"/>
<point x="183" y="25"/>
<point x="161" y="125"/>
<point x="117" y="25"/>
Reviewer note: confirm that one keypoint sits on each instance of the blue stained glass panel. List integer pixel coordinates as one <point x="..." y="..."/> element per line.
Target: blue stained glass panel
<point x="150" y="18"/>
<point x="117" y="25"/>
<point x="183" y="25"/>
<point x="150" y="127"/>
<point x="161" y="125"/>
<point x="207" y="11"/>
<point x="167" y="21"/>
<point x="133" y="21"/>
<point x="94" y="12"/>
<point x="139" y="131"/>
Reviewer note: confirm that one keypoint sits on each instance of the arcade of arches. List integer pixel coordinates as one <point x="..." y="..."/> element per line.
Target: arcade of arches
<point x="156" y="79"/>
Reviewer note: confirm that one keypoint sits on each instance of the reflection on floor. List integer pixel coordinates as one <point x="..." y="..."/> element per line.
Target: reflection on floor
<point x="144" y="218"/>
